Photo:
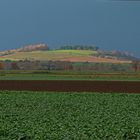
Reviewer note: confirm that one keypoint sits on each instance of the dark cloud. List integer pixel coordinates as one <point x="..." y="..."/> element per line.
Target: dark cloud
<point x="127" y="0"/>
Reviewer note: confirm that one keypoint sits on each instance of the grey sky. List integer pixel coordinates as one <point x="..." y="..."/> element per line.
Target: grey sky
<point x="111" y="25"/>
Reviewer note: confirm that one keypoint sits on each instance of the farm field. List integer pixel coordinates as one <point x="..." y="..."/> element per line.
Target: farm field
<point x="62" y="55"/>
<point x="49" y="55"/>
<point x="64" y="75"/>
<point x="68" y="77"/>
<point x="78" y="116"/>
<point x="71" y="86"/>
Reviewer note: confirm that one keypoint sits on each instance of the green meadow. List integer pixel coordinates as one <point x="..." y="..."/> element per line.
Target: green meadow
<point x="49" y="55"/>
<point x="67" y="75"/>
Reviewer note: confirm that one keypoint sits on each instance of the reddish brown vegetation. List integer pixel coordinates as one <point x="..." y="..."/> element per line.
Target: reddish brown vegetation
<point x="135" y="65"/>
<point x="1" y="66"/>
<point x="94" y="59"/>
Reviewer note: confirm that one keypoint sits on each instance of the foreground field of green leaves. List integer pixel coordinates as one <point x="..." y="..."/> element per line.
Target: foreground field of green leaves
<point x="69" y="116"/>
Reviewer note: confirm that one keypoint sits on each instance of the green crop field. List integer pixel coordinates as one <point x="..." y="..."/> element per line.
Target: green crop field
<point x="63" y="75"/>
<point x="69" y="116"/>
<point x="67" y="77"/>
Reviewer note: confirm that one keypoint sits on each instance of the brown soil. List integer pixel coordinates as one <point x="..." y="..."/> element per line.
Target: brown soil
<point x="79" y="86"/>
<point x="94" y="59"/>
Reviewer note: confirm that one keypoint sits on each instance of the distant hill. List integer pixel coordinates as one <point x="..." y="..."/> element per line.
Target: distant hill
<point x="120" y="55"/>
<point x="76" y="53"/>
<point x="28" y="48"/>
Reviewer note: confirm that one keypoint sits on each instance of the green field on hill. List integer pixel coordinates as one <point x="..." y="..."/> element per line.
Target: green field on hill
<point x="69" y="116"/>
<point x="49" y="55"/>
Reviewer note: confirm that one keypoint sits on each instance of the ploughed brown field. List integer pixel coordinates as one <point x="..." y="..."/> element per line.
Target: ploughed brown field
<point x="94" y="59"/>
<point x="71" y="86"/>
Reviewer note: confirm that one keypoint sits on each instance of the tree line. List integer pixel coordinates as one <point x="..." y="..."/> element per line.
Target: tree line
<point x="79" y="47"/>
<point x="71" y="66"/>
